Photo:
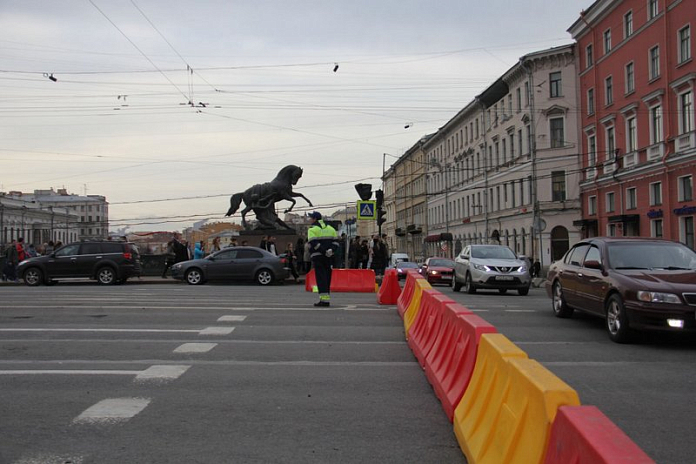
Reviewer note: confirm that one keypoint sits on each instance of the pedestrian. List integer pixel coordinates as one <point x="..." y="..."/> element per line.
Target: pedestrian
<point x="323" y="243"/>
<point x="354" y="253"/>
<point x="234" y="242"/>
<point x="58" y="245"/>
<point x="21" y="252"/>
<point x="9" y="269"/>
<point x="378" y="259"/>
<point x="244" y="243"/>
<point x="291" y="259"/>
<point x="216" y="245"/>
<point x="177" y="252"/>
<point x="272" y="245"/>
<point x="306" y="263"/>
<point x="341" y="254"/>
<point x="264" y="243"/>
<point x="198" y="250"/>
<point x="299" y="252"/>
<point x="31" y="251"/>
<point x="363" y="255"/>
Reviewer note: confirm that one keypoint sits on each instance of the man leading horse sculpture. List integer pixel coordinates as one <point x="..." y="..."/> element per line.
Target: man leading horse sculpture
<point x="261" y="198"/>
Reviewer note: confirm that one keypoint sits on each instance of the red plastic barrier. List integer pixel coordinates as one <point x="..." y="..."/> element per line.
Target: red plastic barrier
<point x="425" y="329"/>
<point x="390" y="289"/>
<point x="450" y="370"/>
<point x="346" y="280"/>
<point x="583" y="435"/>
<point x="404" y="299"/>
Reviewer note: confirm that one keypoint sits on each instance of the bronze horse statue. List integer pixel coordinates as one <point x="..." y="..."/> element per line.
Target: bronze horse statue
<point x="262" y="199"/>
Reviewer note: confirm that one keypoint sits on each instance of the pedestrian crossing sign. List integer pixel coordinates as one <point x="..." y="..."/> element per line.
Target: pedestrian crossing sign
<point x="366" y="209"/>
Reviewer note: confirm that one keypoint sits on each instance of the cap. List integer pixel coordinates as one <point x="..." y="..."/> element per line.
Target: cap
<point x="315" y="215"/>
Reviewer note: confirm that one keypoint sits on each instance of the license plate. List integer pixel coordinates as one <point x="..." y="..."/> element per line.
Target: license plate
<point x="446" y="277"/>
<point x="504" y="278"/>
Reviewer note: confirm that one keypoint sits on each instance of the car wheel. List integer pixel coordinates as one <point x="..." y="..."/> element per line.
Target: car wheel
<point x="33" y="276"/>
<point x="106" y="276"/>
<point x="456" y="286"/>
<point x="502" y="291"/>
<point x="469" y="285"/>
<point x="617" y="321"/>
<point x="264" y="277"/>
<point x="194" y="276"/>
<point x="523" y="291"/>
<point x="560" y="307"/>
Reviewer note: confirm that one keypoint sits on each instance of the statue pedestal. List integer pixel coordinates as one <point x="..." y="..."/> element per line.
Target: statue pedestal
<point x="283" y="237"/>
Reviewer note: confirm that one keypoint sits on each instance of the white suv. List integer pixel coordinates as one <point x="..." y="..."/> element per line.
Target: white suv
<point x="490" y="266"/>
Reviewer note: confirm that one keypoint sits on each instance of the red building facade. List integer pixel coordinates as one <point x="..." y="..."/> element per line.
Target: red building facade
<point x="636" y="76"/>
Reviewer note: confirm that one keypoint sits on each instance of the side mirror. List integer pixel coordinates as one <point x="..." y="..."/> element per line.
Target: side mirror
<point x="211" y="258"/>
<point x="592" y="264"/>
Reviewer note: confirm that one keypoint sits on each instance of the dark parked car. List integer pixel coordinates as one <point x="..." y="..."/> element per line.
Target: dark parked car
<point x="635" y="283"/>
<point x="108" y="262"/>
<point x="438" y="270"/>
<point x="230" y="264"/>
<point x="402" y="266"/>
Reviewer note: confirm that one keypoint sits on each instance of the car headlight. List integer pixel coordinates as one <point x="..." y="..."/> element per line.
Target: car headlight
<point x="176" y="266"/>
<point x="481" y="267"/>
<point x="522" y="269"/>
<point x="434" y="273"/>
<point x="657" y="297"/>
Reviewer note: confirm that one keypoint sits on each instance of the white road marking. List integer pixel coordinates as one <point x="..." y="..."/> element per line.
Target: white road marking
<point x="68" y="372"/>
<point x="103" y="330"/>
<point x="113" y="410"/>
<point x="520" y="310"/>
<point x="216" y="331"/>
<point x="43" y="458"/>
<point x="195" y="347"/>
<point x="231" y="318"/>
<point x="162" y="372"/>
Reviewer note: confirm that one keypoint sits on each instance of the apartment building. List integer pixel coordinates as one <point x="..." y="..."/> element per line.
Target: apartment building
<point x="505" y="169"/>
<point x="636" y="79"/>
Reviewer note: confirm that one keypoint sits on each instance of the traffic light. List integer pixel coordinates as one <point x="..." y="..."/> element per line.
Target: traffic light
<point x="379" y="196"/>
<point x="381" y="217"/>
<point x="364" y="191"/>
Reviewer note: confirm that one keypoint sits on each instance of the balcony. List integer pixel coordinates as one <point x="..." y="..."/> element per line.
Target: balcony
<point x="630" y="159"/>
<point x="399" y="232"/>
<point x="590" y="173"/>
<point x="656" y="151"/>
<point x="414" y="229"/>
<point x="685" y="141"/>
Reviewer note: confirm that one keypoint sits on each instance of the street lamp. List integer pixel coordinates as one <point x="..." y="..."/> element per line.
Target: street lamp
<point x="444" y="170"/>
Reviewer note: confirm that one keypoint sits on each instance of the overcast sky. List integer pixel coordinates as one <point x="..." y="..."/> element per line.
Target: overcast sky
<point x="116" y="121"/>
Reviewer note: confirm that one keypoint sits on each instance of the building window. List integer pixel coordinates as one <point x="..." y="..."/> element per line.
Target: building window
<point x="591" y="151"/>
<point x="628" y="24"/>
<point x="655" y="124"/>
<point x="512" y="145"/>
<point x="526" y="94"/>
<point x="610" y="202"/>
<point x="652" y="9"/>
<point x="558" y="186"/>
<point x="654" y="62"/>
<point x="607" y="41"/>
<point x="611" y="145"/>
<point x="608" y="91"/>
<point x="555" y="86"/>
<point x="630" y="77"/>
<point x="686" y="229"/>
<point x="631" y="198"/>
<point x="518" y="91"/>
<point x="631" y="135"/>
<point x="684" y="44"/>
<point x="686" y="113"/>
<point x="656" y="228"/>
<point x="592" y="205"/>
<point x="611" y="230"/>
<point x="655" y="193"/>
<point x="590" y="102"/>
<point x="557" y="133"/>
<point x="686" y="188"/>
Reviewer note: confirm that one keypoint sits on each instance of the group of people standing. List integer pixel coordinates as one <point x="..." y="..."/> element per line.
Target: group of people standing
<point x="17" y="251"/>
<point x="372" y="254"/>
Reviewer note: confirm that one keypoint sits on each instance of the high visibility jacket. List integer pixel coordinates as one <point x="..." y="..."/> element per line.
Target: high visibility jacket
<point x="322" y="238"/>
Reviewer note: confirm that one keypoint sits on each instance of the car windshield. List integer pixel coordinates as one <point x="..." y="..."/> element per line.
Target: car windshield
<point x="406" y="264"/>
<point x="492" y="252"/>
<point x="651" y="255"/>
<point x="441" y="262"/>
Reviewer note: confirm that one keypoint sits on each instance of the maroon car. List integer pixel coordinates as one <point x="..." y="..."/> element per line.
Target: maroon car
<point x="635" y="283"/>
<point x="438" y="270"/>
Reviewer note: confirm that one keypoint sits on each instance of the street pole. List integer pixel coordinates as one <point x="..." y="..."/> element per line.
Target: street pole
<point x="447" y="219"/>
<point x="532" y="151"/>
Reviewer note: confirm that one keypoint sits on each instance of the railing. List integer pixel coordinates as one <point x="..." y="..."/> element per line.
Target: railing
<point x="656" y="151"/>
<point x="685" y="141"/>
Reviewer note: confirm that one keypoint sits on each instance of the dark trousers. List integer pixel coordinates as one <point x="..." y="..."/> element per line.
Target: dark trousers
<point x="322" y="272"/>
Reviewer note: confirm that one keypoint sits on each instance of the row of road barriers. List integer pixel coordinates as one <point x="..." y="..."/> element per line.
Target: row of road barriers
<point x="505" y="407"/>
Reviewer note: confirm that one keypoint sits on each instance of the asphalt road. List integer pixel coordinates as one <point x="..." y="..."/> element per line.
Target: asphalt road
<point x="210" y="374"/>
<point x="244" y="374"/>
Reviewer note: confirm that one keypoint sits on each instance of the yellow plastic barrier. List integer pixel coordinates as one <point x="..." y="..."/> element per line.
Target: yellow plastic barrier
<point x="414" y="305"/>
<point x="508" y="409"/>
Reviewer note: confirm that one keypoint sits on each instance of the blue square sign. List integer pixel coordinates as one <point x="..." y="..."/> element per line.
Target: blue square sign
<point x="366" y="209"/>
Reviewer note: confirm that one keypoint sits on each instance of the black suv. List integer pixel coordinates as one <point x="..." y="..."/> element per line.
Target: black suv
<point x="106" y="261"/>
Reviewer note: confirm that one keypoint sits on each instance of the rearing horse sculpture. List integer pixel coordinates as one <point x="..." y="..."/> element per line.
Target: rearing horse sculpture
<point x="262" y="199"/>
